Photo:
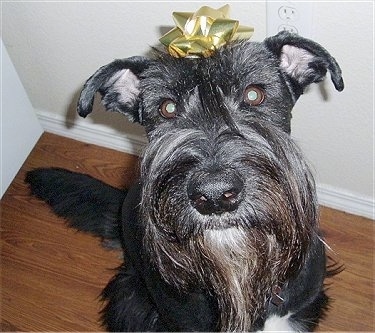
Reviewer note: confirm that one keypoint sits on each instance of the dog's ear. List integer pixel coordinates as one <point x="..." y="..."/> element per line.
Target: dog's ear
<point x="118" y="84"/>
<point x="304" y="61"/>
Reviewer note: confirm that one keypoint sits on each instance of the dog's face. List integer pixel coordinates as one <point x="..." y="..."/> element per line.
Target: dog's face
<point x="202" y="94"/>
<point x="228" y="202"/>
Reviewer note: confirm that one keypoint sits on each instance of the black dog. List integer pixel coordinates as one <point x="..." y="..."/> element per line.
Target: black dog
<point x="221" y="231"/>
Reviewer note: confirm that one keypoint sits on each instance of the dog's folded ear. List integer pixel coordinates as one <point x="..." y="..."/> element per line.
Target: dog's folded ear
<point x="118" y="84"/>
<point x="303" y="60"/>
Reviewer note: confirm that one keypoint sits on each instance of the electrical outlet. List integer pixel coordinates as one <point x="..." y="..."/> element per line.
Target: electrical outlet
<point x="292" y="16"/>
<point x="288" y="13"/>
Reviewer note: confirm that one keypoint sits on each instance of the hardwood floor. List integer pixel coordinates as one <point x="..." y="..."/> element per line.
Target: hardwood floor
<point x="51" y="276"/>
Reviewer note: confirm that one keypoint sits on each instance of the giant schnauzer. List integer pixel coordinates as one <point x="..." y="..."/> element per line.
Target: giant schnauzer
<point x="221" y="231"/>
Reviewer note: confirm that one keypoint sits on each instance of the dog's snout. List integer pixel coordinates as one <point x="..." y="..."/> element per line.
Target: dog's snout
<point x="215" y="192"/>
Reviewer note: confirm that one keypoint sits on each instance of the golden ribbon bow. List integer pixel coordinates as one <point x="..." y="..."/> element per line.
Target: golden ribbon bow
<point x="201" y="33"/>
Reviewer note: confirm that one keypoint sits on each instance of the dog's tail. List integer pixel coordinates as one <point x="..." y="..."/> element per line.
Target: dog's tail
<point x="86" y="203"/>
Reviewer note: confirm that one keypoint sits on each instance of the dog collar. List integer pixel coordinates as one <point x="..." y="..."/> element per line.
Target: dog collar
<point x="203" y="32"/>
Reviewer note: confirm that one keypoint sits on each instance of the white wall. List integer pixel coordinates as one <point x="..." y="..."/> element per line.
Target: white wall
<point x="20" y="128"/>
<point x="56" y="46"/>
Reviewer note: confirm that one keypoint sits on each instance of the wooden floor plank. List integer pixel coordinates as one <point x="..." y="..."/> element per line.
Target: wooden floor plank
<point x="51" y="276"/>
<point x="352" y="240"/>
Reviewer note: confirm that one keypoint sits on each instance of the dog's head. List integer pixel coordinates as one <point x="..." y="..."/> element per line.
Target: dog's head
<point x="258" y="80"/>
<point x="226" y="193"/>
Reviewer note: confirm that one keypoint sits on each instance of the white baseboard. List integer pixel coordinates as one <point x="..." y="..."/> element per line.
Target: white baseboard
<point x="84" y="130"/>
<point x="346" y="201"/>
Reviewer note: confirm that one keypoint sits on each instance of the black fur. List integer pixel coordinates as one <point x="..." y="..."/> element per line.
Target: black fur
<point x="221" y="232"/>
<point x="88" y="204"/>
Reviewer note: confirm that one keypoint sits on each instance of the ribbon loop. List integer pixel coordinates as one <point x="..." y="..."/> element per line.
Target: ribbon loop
<point x="203" y="32"/>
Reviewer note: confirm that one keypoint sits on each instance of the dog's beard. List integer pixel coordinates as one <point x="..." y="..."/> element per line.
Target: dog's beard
<point x="242" y="266"/>
<point x="238" y="267"/>
<point x="237" y="257"/>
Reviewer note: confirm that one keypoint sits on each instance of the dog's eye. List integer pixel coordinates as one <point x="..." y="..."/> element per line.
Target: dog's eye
<point x="254" y="95"/>
<point x="168" y="109"/>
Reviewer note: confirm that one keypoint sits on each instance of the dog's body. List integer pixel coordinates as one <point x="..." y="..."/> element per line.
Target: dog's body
<point x="221" y="231"/>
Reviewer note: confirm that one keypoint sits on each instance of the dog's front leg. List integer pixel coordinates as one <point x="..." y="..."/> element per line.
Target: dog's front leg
<point x="183" y="312"/>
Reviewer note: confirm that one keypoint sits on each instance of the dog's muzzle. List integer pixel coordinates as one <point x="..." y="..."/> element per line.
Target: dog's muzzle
<point x="215" y="192"/>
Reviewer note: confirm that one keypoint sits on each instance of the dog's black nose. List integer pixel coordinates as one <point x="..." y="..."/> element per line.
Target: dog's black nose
<point x="215" y="192"/>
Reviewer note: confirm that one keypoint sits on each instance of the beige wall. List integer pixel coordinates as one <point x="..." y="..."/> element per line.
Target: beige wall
<point x="56" y="46"/>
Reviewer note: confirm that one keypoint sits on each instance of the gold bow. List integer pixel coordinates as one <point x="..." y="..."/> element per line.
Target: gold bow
<point x="201" y="33"/>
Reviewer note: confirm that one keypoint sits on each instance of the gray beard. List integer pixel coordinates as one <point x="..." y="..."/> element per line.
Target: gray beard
<point x="239" y="268"/>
